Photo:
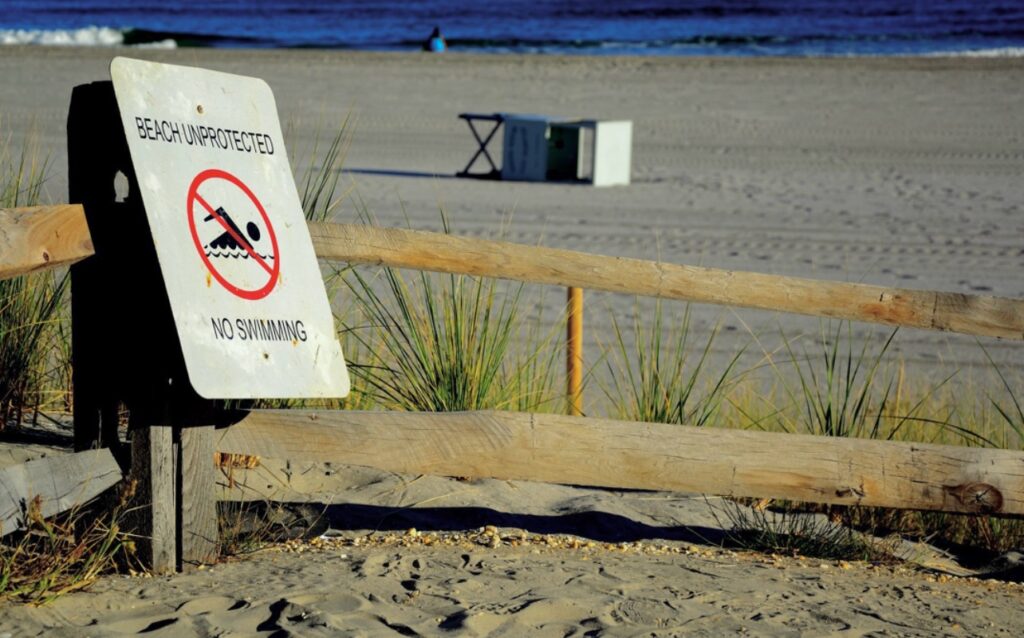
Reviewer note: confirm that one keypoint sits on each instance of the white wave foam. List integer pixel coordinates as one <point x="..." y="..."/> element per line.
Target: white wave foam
<point x="89" y="36"/>
<point x="85" y="37"/>
<point x="1002" y="52"/>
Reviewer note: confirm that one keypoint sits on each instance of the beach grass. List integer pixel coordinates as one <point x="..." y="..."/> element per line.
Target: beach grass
<point x="846" y="389"/>
<point x="759" y="526"/>
<point x="1007" y="402"/>
<point x="319" y="192"/>
<point x="55" y="556"/>
<point x="665" y="377"/>
<point x="31" y="328"/>
<point x="841" y="386"/>
<point x="445" y="343"/>
<point x="248" y="527"/>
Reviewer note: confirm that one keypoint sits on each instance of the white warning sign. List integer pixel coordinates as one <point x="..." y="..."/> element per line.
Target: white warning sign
<point x="243" y="281"/>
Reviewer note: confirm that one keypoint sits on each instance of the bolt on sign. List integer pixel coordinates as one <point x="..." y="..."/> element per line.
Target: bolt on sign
<point x="245" y="288"/>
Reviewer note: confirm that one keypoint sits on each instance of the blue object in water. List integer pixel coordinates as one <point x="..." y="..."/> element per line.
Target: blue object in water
<point x="437" y="45"/>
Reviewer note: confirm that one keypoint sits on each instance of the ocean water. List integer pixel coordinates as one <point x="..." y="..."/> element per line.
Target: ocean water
<point x="591" y="27"/>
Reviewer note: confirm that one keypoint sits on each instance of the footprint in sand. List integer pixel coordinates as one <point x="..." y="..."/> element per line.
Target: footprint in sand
<point x="211" y="604"/>
<point x="147" y="625"/>
<point x="338" y="604"/>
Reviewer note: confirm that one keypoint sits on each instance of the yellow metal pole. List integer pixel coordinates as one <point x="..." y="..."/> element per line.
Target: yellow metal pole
<point x="574" y="352"/>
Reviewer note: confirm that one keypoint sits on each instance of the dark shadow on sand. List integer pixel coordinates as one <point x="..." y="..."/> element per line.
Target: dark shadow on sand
<point x="392" y="173"/>
<point x="597" y="526"/>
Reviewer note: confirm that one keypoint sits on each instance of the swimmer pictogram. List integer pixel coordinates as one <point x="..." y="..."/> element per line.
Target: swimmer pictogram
<point x="232" y="242"/>
<point x="246" y="263"/>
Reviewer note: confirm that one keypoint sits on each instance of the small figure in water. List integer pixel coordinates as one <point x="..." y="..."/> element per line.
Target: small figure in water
<point x="436" y="42"/>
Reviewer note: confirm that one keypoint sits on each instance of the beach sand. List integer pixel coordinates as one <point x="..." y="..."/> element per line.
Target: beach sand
<point x="423" y="556"/>
<point x="898" y="172"/>
<point x="406" y="588"/>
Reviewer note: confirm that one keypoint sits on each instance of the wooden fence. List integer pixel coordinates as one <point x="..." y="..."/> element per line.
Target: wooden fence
<point x="41" y="237"/>
<point x="566" y="449"/>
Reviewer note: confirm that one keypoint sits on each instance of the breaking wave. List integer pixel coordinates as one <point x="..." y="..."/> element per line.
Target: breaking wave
<point x="86" y="36"/>
<point x="998" y="52"/>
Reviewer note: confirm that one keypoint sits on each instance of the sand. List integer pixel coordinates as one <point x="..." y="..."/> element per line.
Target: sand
<point x="902" y="172"/>
<point x="515" y="591"/>
<point x="419" y="556"/>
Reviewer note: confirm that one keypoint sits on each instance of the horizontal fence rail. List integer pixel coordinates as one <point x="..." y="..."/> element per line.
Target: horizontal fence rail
<point x="59" y="483"/>
<point x="619" y="454"/>
<point x="48" y="236"/>
<point x="969" y="314"/>
<point x="41" y="237"/>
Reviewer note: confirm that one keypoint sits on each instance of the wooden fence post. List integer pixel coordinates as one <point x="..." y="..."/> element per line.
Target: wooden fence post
<point x="96" y="154"/>
<point x="153" y="470"/>
<point x="574" y="352"/>
<point x="197" y="523"/>
<point x="127" y="357"/>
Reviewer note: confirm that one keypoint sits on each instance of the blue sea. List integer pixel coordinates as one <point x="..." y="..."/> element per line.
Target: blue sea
<point x="627" y="27"/>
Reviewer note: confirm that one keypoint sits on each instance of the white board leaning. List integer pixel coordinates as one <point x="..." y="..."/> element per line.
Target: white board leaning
<point x="245" y="288"/>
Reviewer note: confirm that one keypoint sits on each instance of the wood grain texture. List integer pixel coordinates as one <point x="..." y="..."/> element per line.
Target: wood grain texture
<point x="198" y="532"/>
<point x="574" y="352"/>
<point x="955" y="312"/>
<point x="619" y="454"/>
<point x="283" y="481"/>
<point x="60" y="233"/>
<point x="41" y="237"/>
<point x="153" y="470"/>
<point x="60" y="482"/>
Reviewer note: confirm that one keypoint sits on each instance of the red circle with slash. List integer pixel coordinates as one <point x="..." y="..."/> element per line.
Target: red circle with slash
<point x="273" y="272"/>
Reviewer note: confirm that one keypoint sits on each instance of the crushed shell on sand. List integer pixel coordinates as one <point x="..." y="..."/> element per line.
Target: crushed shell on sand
<point x="492" y="537"/>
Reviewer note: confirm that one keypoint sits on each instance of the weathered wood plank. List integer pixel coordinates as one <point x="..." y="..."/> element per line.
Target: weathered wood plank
<point x="61" y="483"/>
<point x="281" y="480"/>
<point x="153" y="470"/>
<point x="40" y="237"/>
<point x="955" y="312"/>
<point x="980" y="315"/>
<point x="598" y="452"/>
<point x="198" y="532"/>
